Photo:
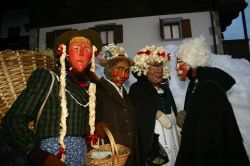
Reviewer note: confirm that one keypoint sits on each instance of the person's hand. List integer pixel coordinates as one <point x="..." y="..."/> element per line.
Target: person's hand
<point x="39" y="157"/>
<point x="164" y="119"/>
<point x="99" y="130"/>
<point x="180" y="119"/>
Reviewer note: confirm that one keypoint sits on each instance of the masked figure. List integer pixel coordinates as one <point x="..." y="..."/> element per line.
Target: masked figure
<point x="113" y="106"/>
<point x="210" y="133"/>
<point x="62" y="125"/>
<point x="153" y="101"/>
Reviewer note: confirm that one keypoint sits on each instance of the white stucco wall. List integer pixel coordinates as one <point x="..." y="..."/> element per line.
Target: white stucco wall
<point x="141" y="31"/>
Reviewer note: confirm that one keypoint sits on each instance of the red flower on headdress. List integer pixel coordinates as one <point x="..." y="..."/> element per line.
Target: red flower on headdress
<point x="140" y="52"/>
<point x="162" y="54"/>
<point x="144" y="52"/>
<point x="147" y="52"/>
<point x="169" y="57"/>
<point x="59" y="50"/>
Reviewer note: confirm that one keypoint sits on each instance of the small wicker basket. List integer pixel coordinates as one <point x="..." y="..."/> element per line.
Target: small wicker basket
<point x="119" y="156"/>
<point x="15" y="69"/>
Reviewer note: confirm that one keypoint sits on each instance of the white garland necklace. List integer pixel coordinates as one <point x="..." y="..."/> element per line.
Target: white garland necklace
<point x="92" y="99"/>
<point x="64" y="112"/>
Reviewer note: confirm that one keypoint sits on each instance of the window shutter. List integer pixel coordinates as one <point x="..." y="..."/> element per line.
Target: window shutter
<point x="161" y="29"/>
<point x="186" y="28"/>
<point x="50" y="40"/>
<point x="118" y="34"/>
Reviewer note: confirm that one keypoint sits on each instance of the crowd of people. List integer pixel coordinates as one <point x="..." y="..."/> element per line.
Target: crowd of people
<point x="144" y="119"/>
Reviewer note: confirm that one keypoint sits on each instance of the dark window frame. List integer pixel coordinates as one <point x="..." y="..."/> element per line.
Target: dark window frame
<point x="106" y="28"/>
<point x="183" y="25"/>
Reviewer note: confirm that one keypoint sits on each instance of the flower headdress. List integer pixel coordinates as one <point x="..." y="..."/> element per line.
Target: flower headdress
<point x="194" y="52"/>
<point x="113" y="52"/>
<point x="151" y="55"/>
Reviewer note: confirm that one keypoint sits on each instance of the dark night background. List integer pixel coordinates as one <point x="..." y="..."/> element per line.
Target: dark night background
<point x="45" y="13"/>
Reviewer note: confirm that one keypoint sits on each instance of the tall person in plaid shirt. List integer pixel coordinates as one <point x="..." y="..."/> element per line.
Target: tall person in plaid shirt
<point x="44" y="146"/>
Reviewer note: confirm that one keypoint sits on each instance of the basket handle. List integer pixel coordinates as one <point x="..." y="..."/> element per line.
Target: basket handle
<point x="112" y="141"/>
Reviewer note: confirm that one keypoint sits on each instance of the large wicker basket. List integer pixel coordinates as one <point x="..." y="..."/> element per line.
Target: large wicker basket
<point x="119" y="156"/>
<point x="15" y="69"/>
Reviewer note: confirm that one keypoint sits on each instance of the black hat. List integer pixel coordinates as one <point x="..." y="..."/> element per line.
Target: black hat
<point x="90" y="34"/>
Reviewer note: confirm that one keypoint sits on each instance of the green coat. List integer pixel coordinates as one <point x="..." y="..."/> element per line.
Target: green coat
<point x="27" y="105"/>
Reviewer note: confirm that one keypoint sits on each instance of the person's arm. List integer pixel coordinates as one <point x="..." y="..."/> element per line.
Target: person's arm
<point x="24" y="110"/>
<point x="133" y="95"/>
<point x="180" y="119"/>
<point x="99" y="123"/>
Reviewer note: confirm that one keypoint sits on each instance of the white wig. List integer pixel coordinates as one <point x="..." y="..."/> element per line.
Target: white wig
<point x="194" y="52"/>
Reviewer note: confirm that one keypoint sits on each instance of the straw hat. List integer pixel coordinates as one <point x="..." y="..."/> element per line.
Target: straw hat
<point x="112" y="53"/>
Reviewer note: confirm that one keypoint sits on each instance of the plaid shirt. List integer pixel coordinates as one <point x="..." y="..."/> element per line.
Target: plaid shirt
<point x="26" y="107"/>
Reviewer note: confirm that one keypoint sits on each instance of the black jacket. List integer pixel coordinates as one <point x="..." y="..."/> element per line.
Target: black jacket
<point x="146" y="100"/>
<point x="118" y="113"/>
<point x="223" y="79"/>
<point x="210" y="135"/>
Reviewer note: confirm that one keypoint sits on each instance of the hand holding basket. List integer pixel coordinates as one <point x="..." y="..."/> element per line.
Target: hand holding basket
<point x="118" y="157"/>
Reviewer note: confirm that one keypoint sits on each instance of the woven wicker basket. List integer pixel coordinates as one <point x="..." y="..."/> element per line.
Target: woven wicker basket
<point x="119" y="156"/>
<point x="15" y="69"/>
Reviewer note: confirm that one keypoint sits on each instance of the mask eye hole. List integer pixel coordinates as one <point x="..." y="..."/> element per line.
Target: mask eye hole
<point x="87" y="49"/>
<point x="76" y="48"/>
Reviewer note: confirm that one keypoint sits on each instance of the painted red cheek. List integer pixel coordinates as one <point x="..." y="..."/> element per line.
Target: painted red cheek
<point x="114" y="74"/>
<point x="183" y="67"/>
